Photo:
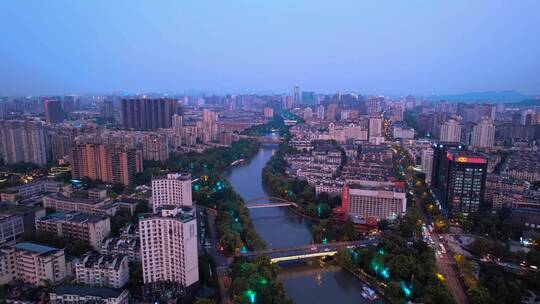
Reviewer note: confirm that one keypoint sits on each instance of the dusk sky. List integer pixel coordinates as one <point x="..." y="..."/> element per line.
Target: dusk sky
<point x="386" y="47"/>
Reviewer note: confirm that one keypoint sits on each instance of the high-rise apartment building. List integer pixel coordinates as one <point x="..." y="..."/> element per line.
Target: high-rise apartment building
<point x="155" y="146"/>
<point x="53" y="111"/>
<point x="331" y="112"/>
<point x="308" y="113"/>
<point x="451" y="131"/>
<point x="373" y="105"/>
<point x="172" y="189"/>
<point x="23" y="141"/>
<point x="375" y="126"/>
<point x="461" y="182"/>
<point x="148" y="114"/>
<point x="106" y="109"/>
<point x="107" y="162"/>
<point x="483" y="135"/>
<point x="427" y="163"/>
<point x="169" y="246"/>
<point x="320" y="112"/>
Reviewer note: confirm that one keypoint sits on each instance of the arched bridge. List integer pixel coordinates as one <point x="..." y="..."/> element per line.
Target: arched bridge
<point x="268" y="202"/>
<point x="307" y="251"/>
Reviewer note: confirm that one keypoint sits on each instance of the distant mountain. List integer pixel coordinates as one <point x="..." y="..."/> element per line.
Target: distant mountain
<point x="491" y="96"/>
<point x="526" y="103"/>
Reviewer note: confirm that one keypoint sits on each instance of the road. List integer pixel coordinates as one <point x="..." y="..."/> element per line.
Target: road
<point x="222" y="262"/>
<point x="444" y="259"/>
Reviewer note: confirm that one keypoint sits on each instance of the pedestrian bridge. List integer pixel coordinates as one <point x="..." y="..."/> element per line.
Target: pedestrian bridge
<point x="268" y="202"/>
<point x="308" y="251"/>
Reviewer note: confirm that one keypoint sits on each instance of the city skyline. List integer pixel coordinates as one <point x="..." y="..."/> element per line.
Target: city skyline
<point x="395" y="49"/>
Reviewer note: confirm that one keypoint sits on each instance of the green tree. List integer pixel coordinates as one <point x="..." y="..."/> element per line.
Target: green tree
<point x="343" y="258"/>
<point x="478" y="295"/>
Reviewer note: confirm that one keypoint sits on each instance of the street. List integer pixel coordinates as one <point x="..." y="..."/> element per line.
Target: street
<point x="444" y="258"/>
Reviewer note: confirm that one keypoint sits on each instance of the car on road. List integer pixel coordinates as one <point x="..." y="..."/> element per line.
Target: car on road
<point x="313" y="248"/>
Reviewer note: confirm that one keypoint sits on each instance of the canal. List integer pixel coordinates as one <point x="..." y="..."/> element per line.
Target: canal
<point x="280" y="227"/>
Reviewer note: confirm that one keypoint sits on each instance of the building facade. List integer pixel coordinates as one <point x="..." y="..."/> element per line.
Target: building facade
<point x="102" y="270"/>
<point x="461" y="182"/>
<point x="148" y="114"/>
<point x="23" y="141"/>
<point x="88" y="228"/>
<point x="172" y="189"/>
<point x="169" y="246"/>
<point x="32" y="263"/>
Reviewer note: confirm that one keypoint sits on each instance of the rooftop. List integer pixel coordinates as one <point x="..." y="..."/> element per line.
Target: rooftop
<point x="33" y="247"/>
<point x="102" y="292"/>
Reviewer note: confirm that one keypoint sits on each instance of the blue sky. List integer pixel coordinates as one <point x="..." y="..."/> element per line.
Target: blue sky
<point x="383" y="47"/>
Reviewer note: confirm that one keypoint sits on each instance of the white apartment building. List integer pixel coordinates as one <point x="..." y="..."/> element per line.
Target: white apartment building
<point x="102" y="270"/>
<point x="404" y="133"/>
<point x="483" y="135"/>
<point x="379" y="202"/>
<point x="85" y="227"/>
<point x="451" y="131"/>
<point x="172" y="189"/>
<point x="169" y="246"/>
<point x="427" y="163"/>
<point x="375" y="127"/>
<point x="32" y="263"/>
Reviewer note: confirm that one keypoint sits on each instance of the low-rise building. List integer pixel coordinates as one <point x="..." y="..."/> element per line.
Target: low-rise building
<point x="74" y="294"/>
<point x="127" y="243"/>
<point x="102" y="270"/>
<point x="384" y="201"/>
<point x="12" y="194"/>
<point x="11" y="226"/>
<point x="32" y="263"/>
<point x="85" y="227"/>
<point x="62" y="203"/>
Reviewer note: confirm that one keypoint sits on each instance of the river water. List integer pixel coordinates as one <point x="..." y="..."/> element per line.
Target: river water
<point x="280" y="227"/>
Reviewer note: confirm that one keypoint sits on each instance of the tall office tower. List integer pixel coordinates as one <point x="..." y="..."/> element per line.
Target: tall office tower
<point x="309" y="98"/>
<point x="23" y="141"/>
<point x="308" y="113"/>
<point x="320" y="112"/>
<point x="148" y="114"/>
<point x="109" y="163"/>
<point x="172" y="189"/>
<point x="331" y="112"/>
<point x="439" y="156"/>
<point x="169" y="246"/>
<point x="451" y="131"/>
<point x="462" y="182"/>
<point x="53" y="111"/>
<point x="375" y="126"/>
<point x="427" y="163"/>
<point x="296" y="96"/>
<point x="373" y="105"/>
<point x="106" y="109"/>
<point x="483" y="135"/>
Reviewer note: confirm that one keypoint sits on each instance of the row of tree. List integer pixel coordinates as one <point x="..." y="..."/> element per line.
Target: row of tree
<point x="212" y="160"/>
